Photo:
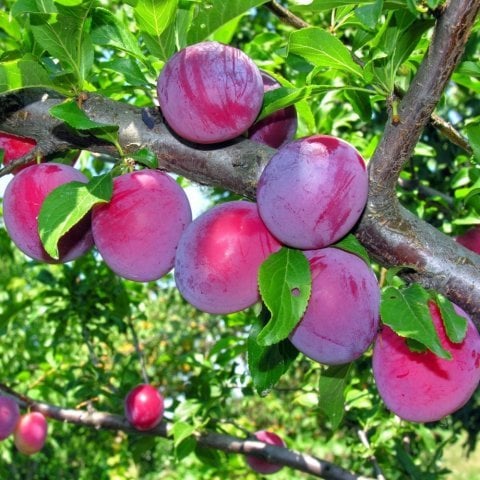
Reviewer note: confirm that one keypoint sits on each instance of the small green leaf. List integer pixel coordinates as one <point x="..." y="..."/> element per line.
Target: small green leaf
<point x="23" y="73"/>
<point x="406" y="312"/>
<point x="66" y="205"/>
<point x="333" y="381"/>
<point x="473" y="135"/>
<point x="352" y="245"/>
<point x="322" y="49"/>
<point x="285" y="283"/>
<point x="181" y="431"/>
<point x="145" y="157"/>
<point x="267" y="363"/>
<point x="455" y="325"/>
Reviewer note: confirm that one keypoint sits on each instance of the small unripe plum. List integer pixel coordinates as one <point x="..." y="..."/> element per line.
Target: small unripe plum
<point x="261" y="465"/>
<point x="9" y="416"/>
<point x="210" y="92"/>
<point x="420" y="386"/>
<point x="342" y="315"/>
<point x="313" y="191"/>
<point x="470" y="239"/>
<point x="219" y="255"/>
<point x="138" y="231"/>
<point x="22" y="202"/>
<point x="31" y="433"/>
<point x="144" y="407"/>
<point x="15" y="147"/>
<point x="279" y="127"/>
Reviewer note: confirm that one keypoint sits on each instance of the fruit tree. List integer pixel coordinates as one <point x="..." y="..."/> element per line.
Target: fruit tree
<point x="239" y="238"/>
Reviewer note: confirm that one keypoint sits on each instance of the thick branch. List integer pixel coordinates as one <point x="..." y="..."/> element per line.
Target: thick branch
<point x="227" y="443"/>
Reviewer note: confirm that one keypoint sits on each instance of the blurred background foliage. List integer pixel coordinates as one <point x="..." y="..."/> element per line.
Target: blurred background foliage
<point x="67" y="331"/>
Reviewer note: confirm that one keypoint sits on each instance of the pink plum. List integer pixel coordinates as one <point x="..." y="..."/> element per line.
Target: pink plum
<point x="210" y="92"/>
<point x="9" y="416"/>
<point x="144" y="407"/>
<point x="137" y="232"/>
<point x="15" y="147"/>
<point x="259" y="464"/>
<point x="342" y="315"/>
<point x="279" y="127"/>
<point x="219" y="255"/>
<point x="420" y="386"/>
<point x="22" y="202"/>
<point x="313" y="191"/>
<point x="470" y="239"/>
<point x="31" y="433"/>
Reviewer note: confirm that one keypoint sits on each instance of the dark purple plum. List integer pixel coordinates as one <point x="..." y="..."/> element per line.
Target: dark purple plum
<point x="219" y="255"/>
<point x="342" y="315"/>
<point x="138" y="231"/>
<point x="22" y="202"/>
<point x="9" y="416"/>
<point x="313" y="191"/>
<point x="420" y="386"/>
<point x="261" y="465"/>
<point x="210" y="92"/>
<point x="471" y="239"/>
<point x="279" y="127"/>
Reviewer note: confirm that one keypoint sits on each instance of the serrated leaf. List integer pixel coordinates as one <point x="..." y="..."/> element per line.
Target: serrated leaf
<point x="19" y="74"/>
<point x="66" y="205"/>
<point x="455" y="325"/>
<point x="285" y="284"/>
<point x="406" y="312"/>
<point x="352" y="245"/>
<point x="212" y="14"/>
<point x="333" y="381"/>
<point x="267" y="364"/>
<point x="322" y="49"/>
<point x="145" y="157"/>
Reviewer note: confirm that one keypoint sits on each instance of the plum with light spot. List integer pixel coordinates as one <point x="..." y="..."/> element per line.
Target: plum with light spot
<point x="209" y="92"/>
<point x="15" y="147"/>
<point x="22" y="202"/>
<point x="31" y="433"/>
<point x="313" y="191"/>
<point x="219" y="256"/>
<point x="9" y="416"/>
<point x="278" y="128"/>
<point x="259" y="464"/>
<point x="138" y="231"/>
<point x="144" y="407"/>
<point x="420" y="386"/>
<point x="342" y="315"/>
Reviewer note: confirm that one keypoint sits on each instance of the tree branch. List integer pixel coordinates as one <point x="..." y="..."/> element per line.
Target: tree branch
<point x="227" y="443"/>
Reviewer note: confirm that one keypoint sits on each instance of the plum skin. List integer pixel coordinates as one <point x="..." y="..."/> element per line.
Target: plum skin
<point x="313" y="191"/>
<point x="278" y="128"/>
<point x="138" y="231"/>
<point x="342" y="315"/>
<point x="470" y="239"/>
<point x="9" y="416"/>
<point x="261" y="465"/>
<point x="31" y="433"/>
<point x="210" y="92"/>
<point x="15" y="147"/>
<point x="218" y="258"/>
<point x="23" y="199"/>
<point x="420" y="386"/>
<point x="144" y="407"/>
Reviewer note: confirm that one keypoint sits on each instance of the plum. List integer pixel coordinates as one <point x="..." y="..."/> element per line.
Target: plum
<point x="30" y="433"/>
<point x="9" y="416"/>
<point x="22" y="202"/>
<point x="313" y="191"/>
<point x="138" y="231"/>
<point x="420" y="386"/>
<point x="279" y="127"/>
<point x="470" y="239"/>
<point x="144" y="407"/>
<point x="15" y="147"/>
<point x="219" y="255"/>
<point x="210" y="92"/>
<point x="261" y="465"/>
<point x="342" y="315"/>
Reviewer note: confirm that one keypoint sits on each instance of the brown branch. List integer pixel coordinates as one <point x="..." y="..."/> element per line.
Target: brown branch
<point x="285" y="15"/>
<point x="227" y="443"/>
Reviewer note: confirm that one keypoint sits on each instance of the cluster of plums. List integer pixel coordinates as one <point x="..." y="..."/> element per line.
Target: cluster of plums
<point x="310" y="195"/>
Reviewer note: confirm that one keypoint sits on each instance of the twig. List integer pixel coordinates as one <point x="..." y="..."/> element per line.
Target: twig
<point x="362" y="435"/>
<point x="285" y="15"/>
<point x="138" y="350"/>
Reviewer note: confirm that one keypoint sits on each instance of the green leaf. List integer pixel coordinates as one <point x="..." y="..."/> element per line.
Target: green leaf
<point x="181" y="431"/>
<point x="321" y="5"/>
<point x="10" y="25"/>
<point x="352" y="245"/>
<point x="23" y="73"/>
<point x="145" y="157"/>
<point x="212" y="14"/>
<point x="267" y="363"/>
<point x="455" y="325"/>
<point x="285" y="283"/>
<point x="322" y="49"/>
<point x="66" y="205"/>
<point x="333" y="381"/>
<point x="406" y="312"/>
<point x="473" y="134"/>
<point x="370" y="14"/>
